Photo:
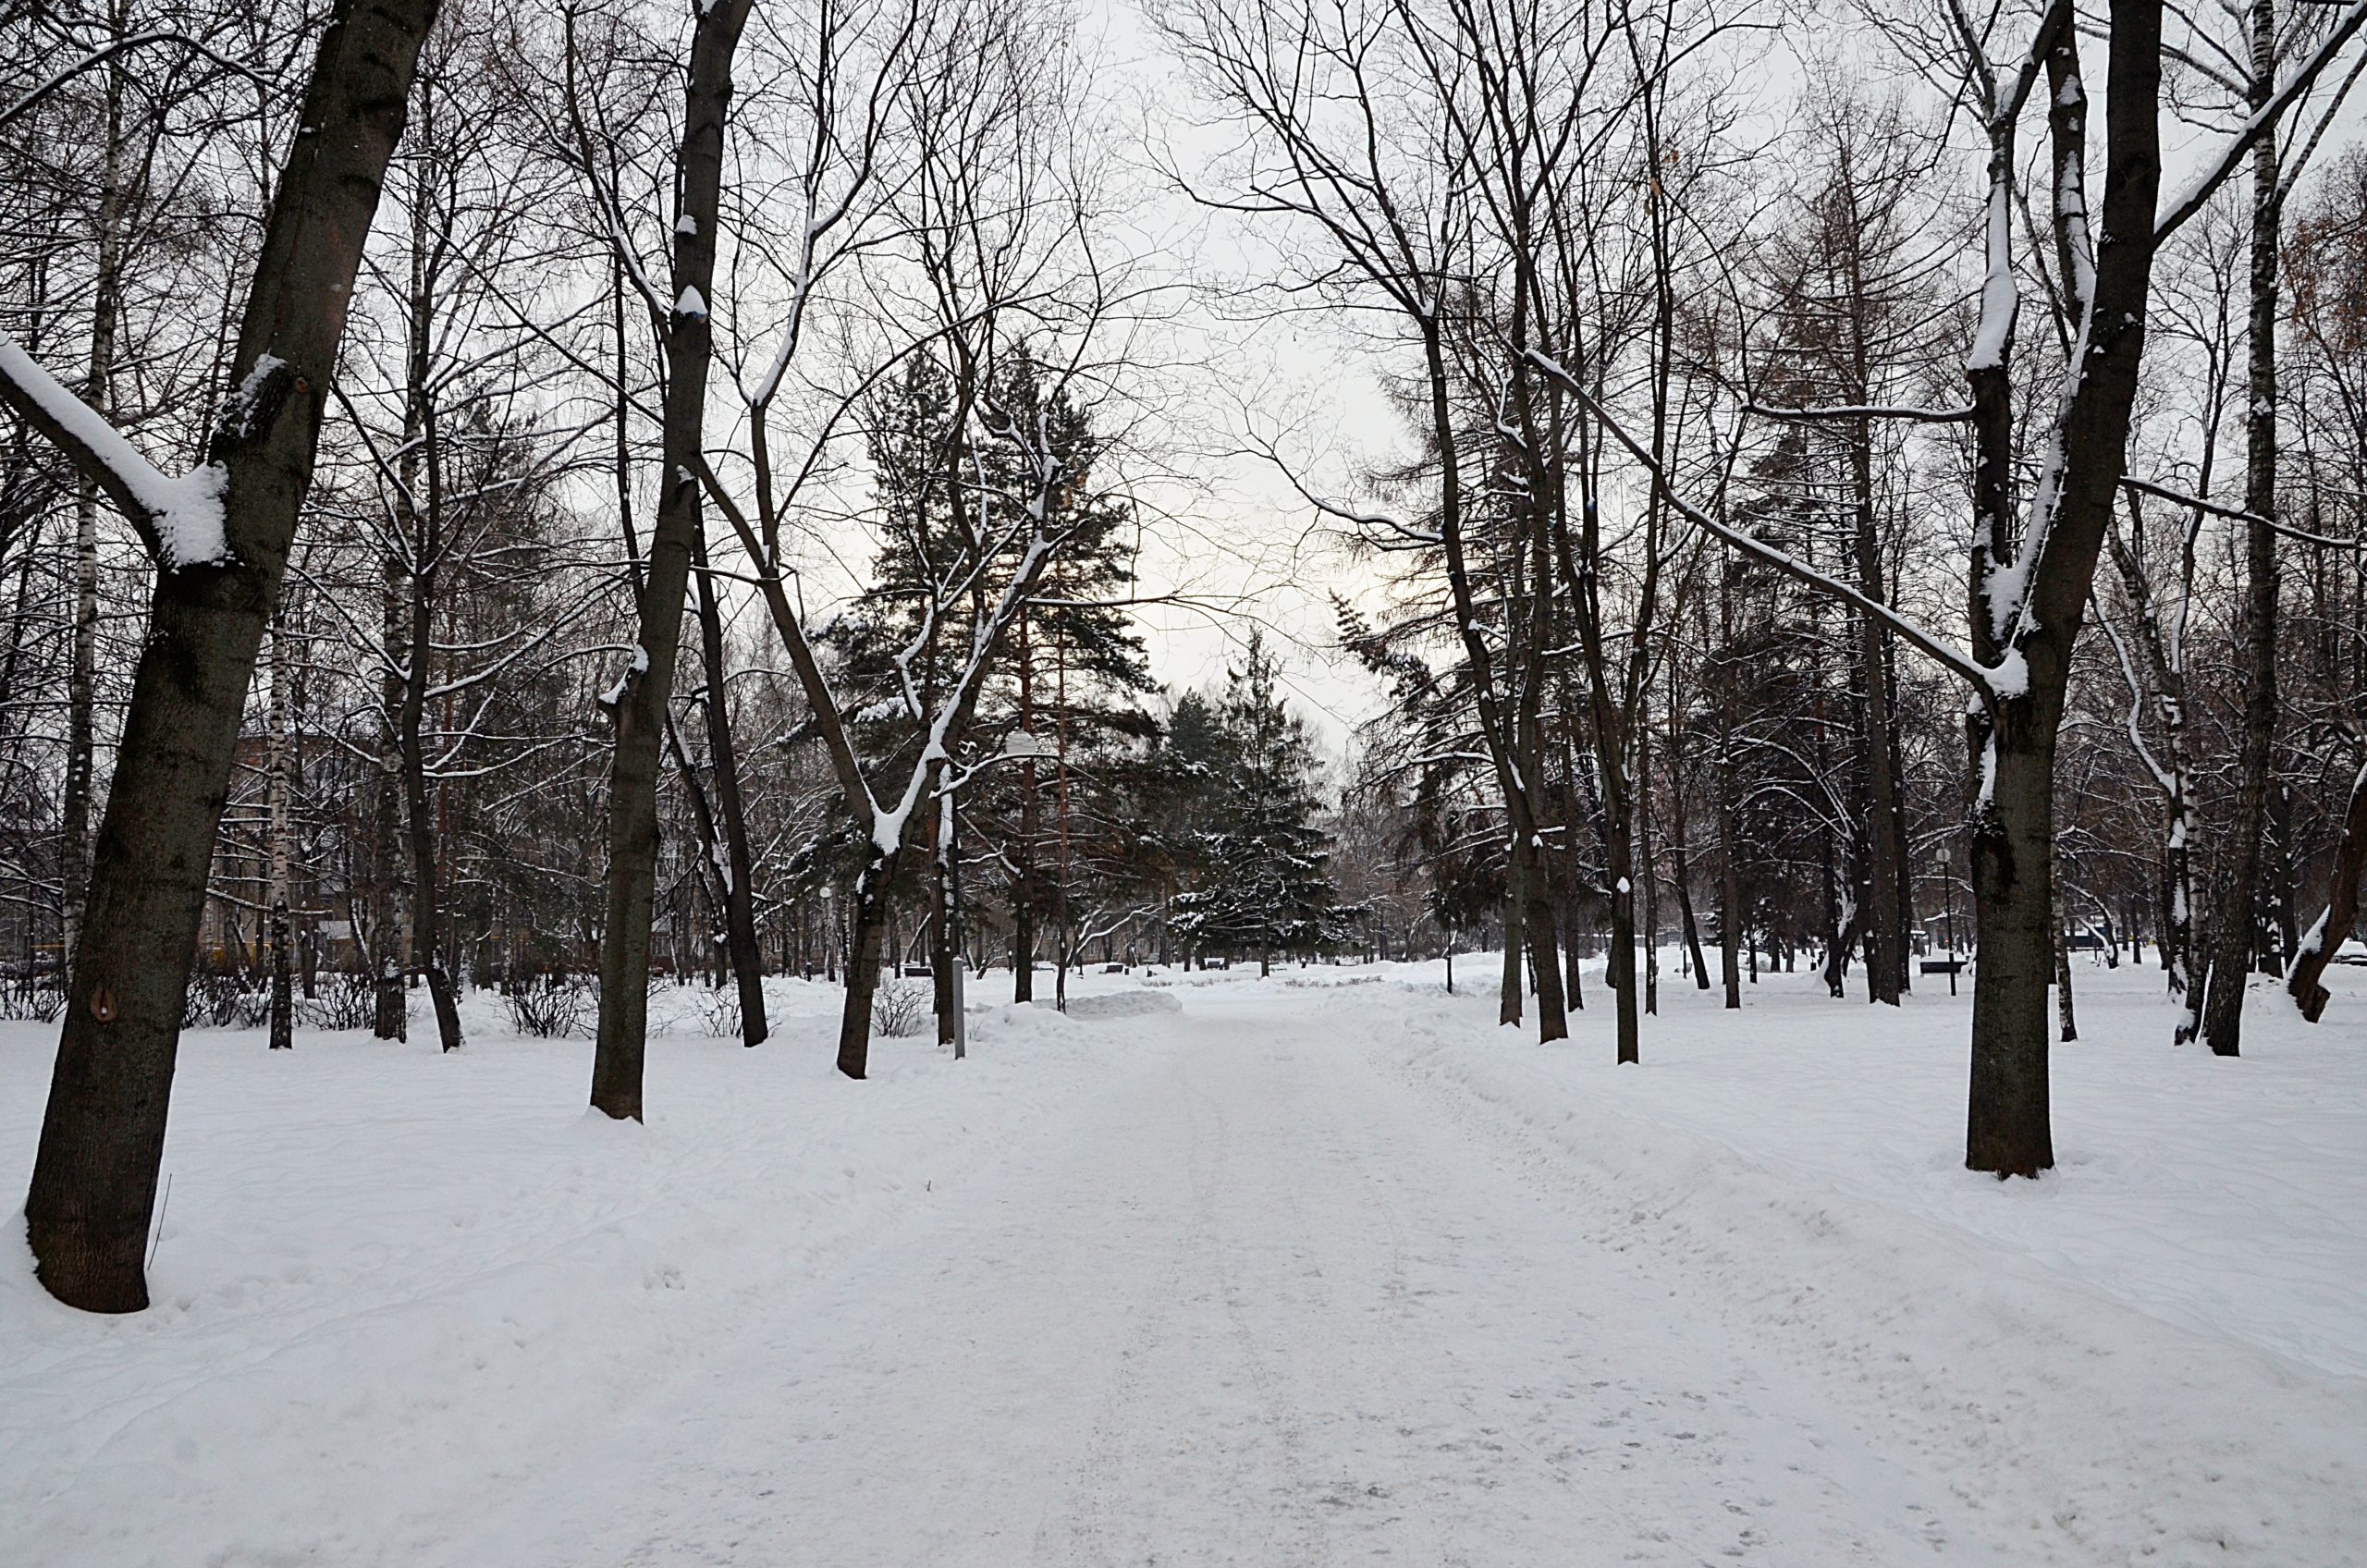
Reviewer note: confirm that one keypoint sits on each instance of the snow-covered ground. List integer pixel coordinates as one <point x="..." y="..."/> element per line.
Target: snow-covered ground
<point x="1309" y="1269"/>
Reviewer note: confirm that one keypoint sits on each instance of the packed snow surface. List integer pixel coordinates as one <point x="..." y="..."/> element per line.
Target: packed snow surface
<point x="1318" y="1268"/>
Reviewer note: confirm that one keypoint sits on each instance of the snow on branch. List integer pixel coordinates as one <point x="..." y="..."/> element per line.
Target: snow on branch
<point x="2007" y="679"/>
<point x="179" y="518"/>
<point x="1869" y="411"/>
<point x="2199" y="191"/>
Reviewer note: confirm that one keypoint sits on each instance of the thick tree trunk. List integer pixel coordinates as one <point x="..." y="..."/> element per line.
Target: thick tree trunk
<point x="648" y="684"/>
<point x="94" y="1175"/>
<point x="870" y="941"/>
<point x="2317" y="950"/>
<point x="2008" y="1130"/>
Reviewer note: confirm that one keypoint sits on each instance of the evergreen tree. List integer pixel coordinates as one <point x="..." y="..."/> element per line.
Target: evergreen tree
<point x="1264" y="883"/>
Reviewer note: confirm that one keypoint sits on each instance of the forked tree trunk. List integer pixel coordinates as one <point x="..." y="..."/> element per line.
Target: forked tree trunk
<point x="738" y="865"/>
<point x="2317" y="950"/>
<point x="1539" y="932"/>
<point x="641" y="706"/>
<point x="94" y="1175"/>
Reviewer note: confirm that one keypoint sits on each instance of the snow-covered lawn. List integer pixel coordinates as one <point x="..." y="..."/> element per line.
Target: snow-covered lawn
<point x="1319" y="1267"/>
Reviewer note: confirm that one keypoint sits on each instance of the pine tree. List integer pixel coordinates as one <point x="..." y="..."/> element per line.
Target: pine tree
<point x="1264" y="883"/>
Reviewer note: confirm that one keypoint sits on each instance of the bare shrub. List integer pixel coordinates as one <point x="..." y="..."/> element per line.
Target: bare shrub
<point x="37" y="998"/>
<point x="898" y="1007"/>
<point x="720" y="1012"/>
<point x="549" y="1007"/>
<point x="345" y="1001"/>
<point x="225" y="1001"/>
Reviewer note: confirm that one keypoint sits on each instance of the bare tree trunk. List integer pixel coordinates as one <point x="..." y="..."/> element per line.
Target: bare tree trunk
<point x="1022" y="882"/>
<point x="2317" y="948"/>
<point x="2237" y="937"/>
<point x="648" y="684"/>
<point x="870" y="936"/>
<point x="2067" y="1026"/>
<point x="1880" y="923"/>
<point x="282" y="827"/>
<point x="1510" y="993"/>
<point x="94" y="1176"/>
<point x="389" y="946"/>
<point x="1729" y="851"/>
<point x="426" y="903"/>
<point x="1620" y="863"/>
<point x="943" y="945"/>
<point x="82" y="691"/>
<point x="2009" y="1127"/>
<point x="738" y="865"/>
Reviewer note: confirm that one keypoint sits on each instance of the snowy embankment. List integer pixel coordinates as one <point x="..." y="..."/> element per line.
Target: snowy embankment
<point x="383" y="1272"/>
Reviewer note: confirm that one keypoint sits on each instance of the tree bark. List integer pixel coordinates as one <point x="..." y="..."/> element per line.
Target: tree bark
<point x="427" y="915"/>
<point x="738" y="867"/>
<point x="2237" y="937"/>
<point x="81" y="692"/>
<point x="2008" y="1126"/>
<point x="869" y="944"/>
<point x="94" y="1175"/>
<point x="2317" y="950"/>
<point x="282" y="831"/>
<point x="641" y="706"/>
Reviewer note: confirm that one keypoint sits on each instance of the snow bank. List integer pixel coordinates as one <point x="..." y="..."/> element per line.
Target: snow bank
<point x="378" y="1260"/>
<point x="1121" y="1004"/>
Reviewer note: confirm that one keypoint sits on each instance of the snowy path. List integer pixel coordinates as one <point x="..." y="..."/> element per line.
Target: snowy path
<point x="1310" y="1272"/>
<point x="1268" y="1307"/>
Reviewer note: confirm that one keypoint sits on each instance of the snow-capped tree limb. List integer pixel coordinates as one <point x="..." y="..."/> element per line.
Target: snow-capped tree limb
<point x="1988" y="683"/>
<point x="2217" y="173"/>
